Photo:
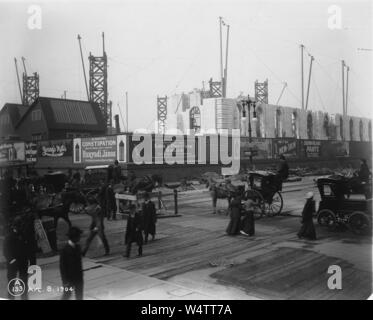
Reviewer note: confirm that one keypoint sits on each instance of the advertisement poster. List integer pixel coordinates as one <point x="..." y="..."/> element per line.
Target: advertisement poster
<point x="12" y="151"/>
<point x="54" y="148"/>
<point x="311" y="148"/>
<point x="260" y="148"/>
<point x="286" y="147"/>
<point x="103" y="150"/>
<point x="31" y="151"/>
<point x="333" y="149"/>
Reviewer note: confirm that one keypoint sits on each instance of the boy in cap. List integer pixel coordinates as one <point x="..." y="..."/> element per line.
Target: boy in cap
<point x="307" y="230"/>
<point x="71" y="266"/>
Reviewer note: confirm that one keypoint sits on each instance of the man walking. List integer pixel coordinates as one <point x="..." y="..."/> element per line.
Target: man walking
<point x="16" y="255"/>
<point x="150" y="217"/>
<point x="134" y="231"/>
<point x="97" y="225"/>
<point x="308" y="229"/>
<point x="71" y="266"/>
<point x="282" y="171"/>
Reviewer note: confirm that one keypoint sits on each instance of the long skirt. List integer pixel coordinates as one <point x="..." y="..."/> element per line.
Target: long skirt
<point x="234" y="223"/>
<point x="248" y="224"/>
<point x="307" y="230"/>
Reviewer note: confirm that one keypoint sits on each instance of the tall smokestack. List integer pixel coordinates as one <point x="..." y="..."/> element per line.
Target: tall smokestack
<point x="117" y="126"/>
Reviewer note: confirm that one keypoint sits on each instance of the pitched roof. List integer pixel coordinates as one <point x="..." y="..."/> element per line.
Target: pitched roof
<point x="15" y="111"/>
<point x="63" y="114"/>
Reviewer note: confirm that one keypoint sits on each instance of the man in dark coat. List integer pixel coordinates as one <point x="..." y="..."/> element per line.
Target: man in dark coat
<point x="364" y="172"/>
<point x="117" y="172"/>
<point x="97" y="225"/>
<point x="134" y="230"/>
<point x="16" y="255"/>
<point x="307" y="230"/>
<point x="150" y="217"/>
<point x="282" y="171"/>
<point x="110" y="202"/>
<point x="235" y="216"/>
<point x="71" y="266"/>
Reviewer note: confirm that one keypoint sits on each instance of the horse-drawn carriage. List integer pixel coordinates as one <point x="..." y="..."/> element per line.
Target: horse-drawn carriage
<point x="262" y="187"/>
<point x="339" y="206"/>
<point x="265" y="191"/>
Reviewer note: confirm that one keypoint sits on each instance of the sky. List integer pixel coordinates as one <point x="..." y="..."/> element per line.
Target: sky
<point x="164" y="47"/>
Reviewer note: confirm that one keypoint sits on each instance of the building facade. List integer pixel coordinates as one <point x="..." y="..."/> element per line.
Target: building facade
<point x="190" y="112"/>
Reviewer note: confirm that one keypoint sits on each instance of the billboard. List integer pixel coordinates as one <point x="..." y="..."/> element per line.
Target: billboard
<point x="259" y="147"/>
<point x="310" y="149"/>
<point x="100" y="149"/>
<point x="12" y="152"/>
<point x="286" y="147"/>
<point x="55" y="148"/>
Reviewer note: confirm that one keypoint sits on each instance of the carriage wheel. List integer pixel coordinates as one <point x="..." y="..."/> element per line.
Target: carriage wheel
<point x="359" y="223"/>
<point x="327" y="218"/>
<point x="274" y="207"/>
<point x="257" y="198"/>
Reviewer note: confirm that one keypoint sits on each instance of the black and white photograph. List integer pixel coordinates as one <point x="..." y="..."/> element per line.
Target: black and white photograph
<point x="203" y="153"/>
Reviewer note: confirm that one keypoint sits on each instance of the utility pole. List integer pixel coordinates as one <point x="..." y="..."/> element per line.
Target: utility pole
<point x="226" y="65"/>
<point x="127" y="111"/>
<point x="302" y="74"/>
<point x="221" y="56"/>
<point x="19" y="83"/>
<point x="85" y="77"/>
<point x="343" y="87"/>
<point x="348" y="69"/>
<point x="309" y="81"/>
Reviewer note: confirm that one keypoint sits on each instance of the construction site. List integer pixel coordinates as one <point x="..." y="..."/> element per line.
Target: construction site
<point x="247" y="196"/>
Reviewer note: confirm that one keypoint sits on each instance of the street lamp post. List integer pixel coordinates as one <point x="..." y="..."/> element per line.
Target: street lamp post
<point x="250" y="103"/>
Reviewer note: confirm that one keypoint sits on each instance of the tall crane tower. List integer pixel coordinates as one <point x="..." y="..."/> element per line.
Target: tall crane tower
<point x="30" y="85"/>
<point x="98" y="91"/>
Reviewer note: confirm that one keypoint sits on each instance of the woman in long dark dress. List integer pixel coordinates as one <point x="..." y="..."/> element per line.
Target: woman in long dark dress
<point x="235" y="216"/>
<point x="307" y="230"/>
<point x="247" y="222"/>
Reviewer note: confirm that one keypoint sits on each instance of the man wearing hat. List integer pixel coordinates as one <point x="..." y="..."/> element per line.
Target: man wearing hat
<point x="150" y="217"/>
<point x="71" y="266"/>
<point x="307" y="230"/>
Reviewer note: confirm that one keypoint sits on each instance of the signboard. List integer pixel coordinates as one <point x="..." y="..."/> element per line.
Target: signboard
<point x="259" y="148"/>
<point x="31" y="150"/>
<point x="286" y="147"/>
<point x="43" y="242"/>
<point x="54" y="148"/>
<point x="12" y="152"/>
<point x="100" y="149"/>
<point x="311" y="148"/>
<point x="333" y="149"/>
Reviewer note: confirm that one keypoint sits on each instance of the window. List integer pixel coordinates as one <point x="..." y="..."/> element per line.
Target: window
<point x="37" y="137"/>
<point x="361" y="130"/>
<point x="309" y="126"/>
<point x="195" y="119"/>
<point x="278" y="124"/>
<point x="341" y="128"/>
<point x="36" y="115"/>
<point x="4" y="120"/>
<point x="351" y="130"/>
<point x="294" y="125"/>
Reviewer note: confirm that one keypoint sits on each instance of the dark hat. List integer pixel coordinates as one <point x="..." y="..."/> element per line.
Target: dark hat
<point x="74" y="232"/>
<point x="146" y="195"/>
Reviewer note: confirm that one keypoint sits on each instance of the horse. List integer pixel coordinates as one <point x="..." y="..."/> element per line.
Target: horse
<point x="223" y="190"/>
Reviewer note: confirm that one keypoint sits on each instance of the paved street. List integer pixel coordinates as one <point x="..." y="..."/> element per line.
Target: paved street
<point x="193" y="258"/>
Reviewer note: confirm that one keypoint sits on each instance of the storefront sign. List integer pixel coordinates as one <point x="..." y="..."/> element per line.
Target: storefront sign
<point x="55" y="148"/>
<point x="31" y="150"/>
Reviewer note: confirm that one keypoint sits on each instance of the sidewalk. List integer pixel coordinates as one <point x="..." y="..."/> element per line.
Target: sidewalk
<point x="103" y="282"/>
